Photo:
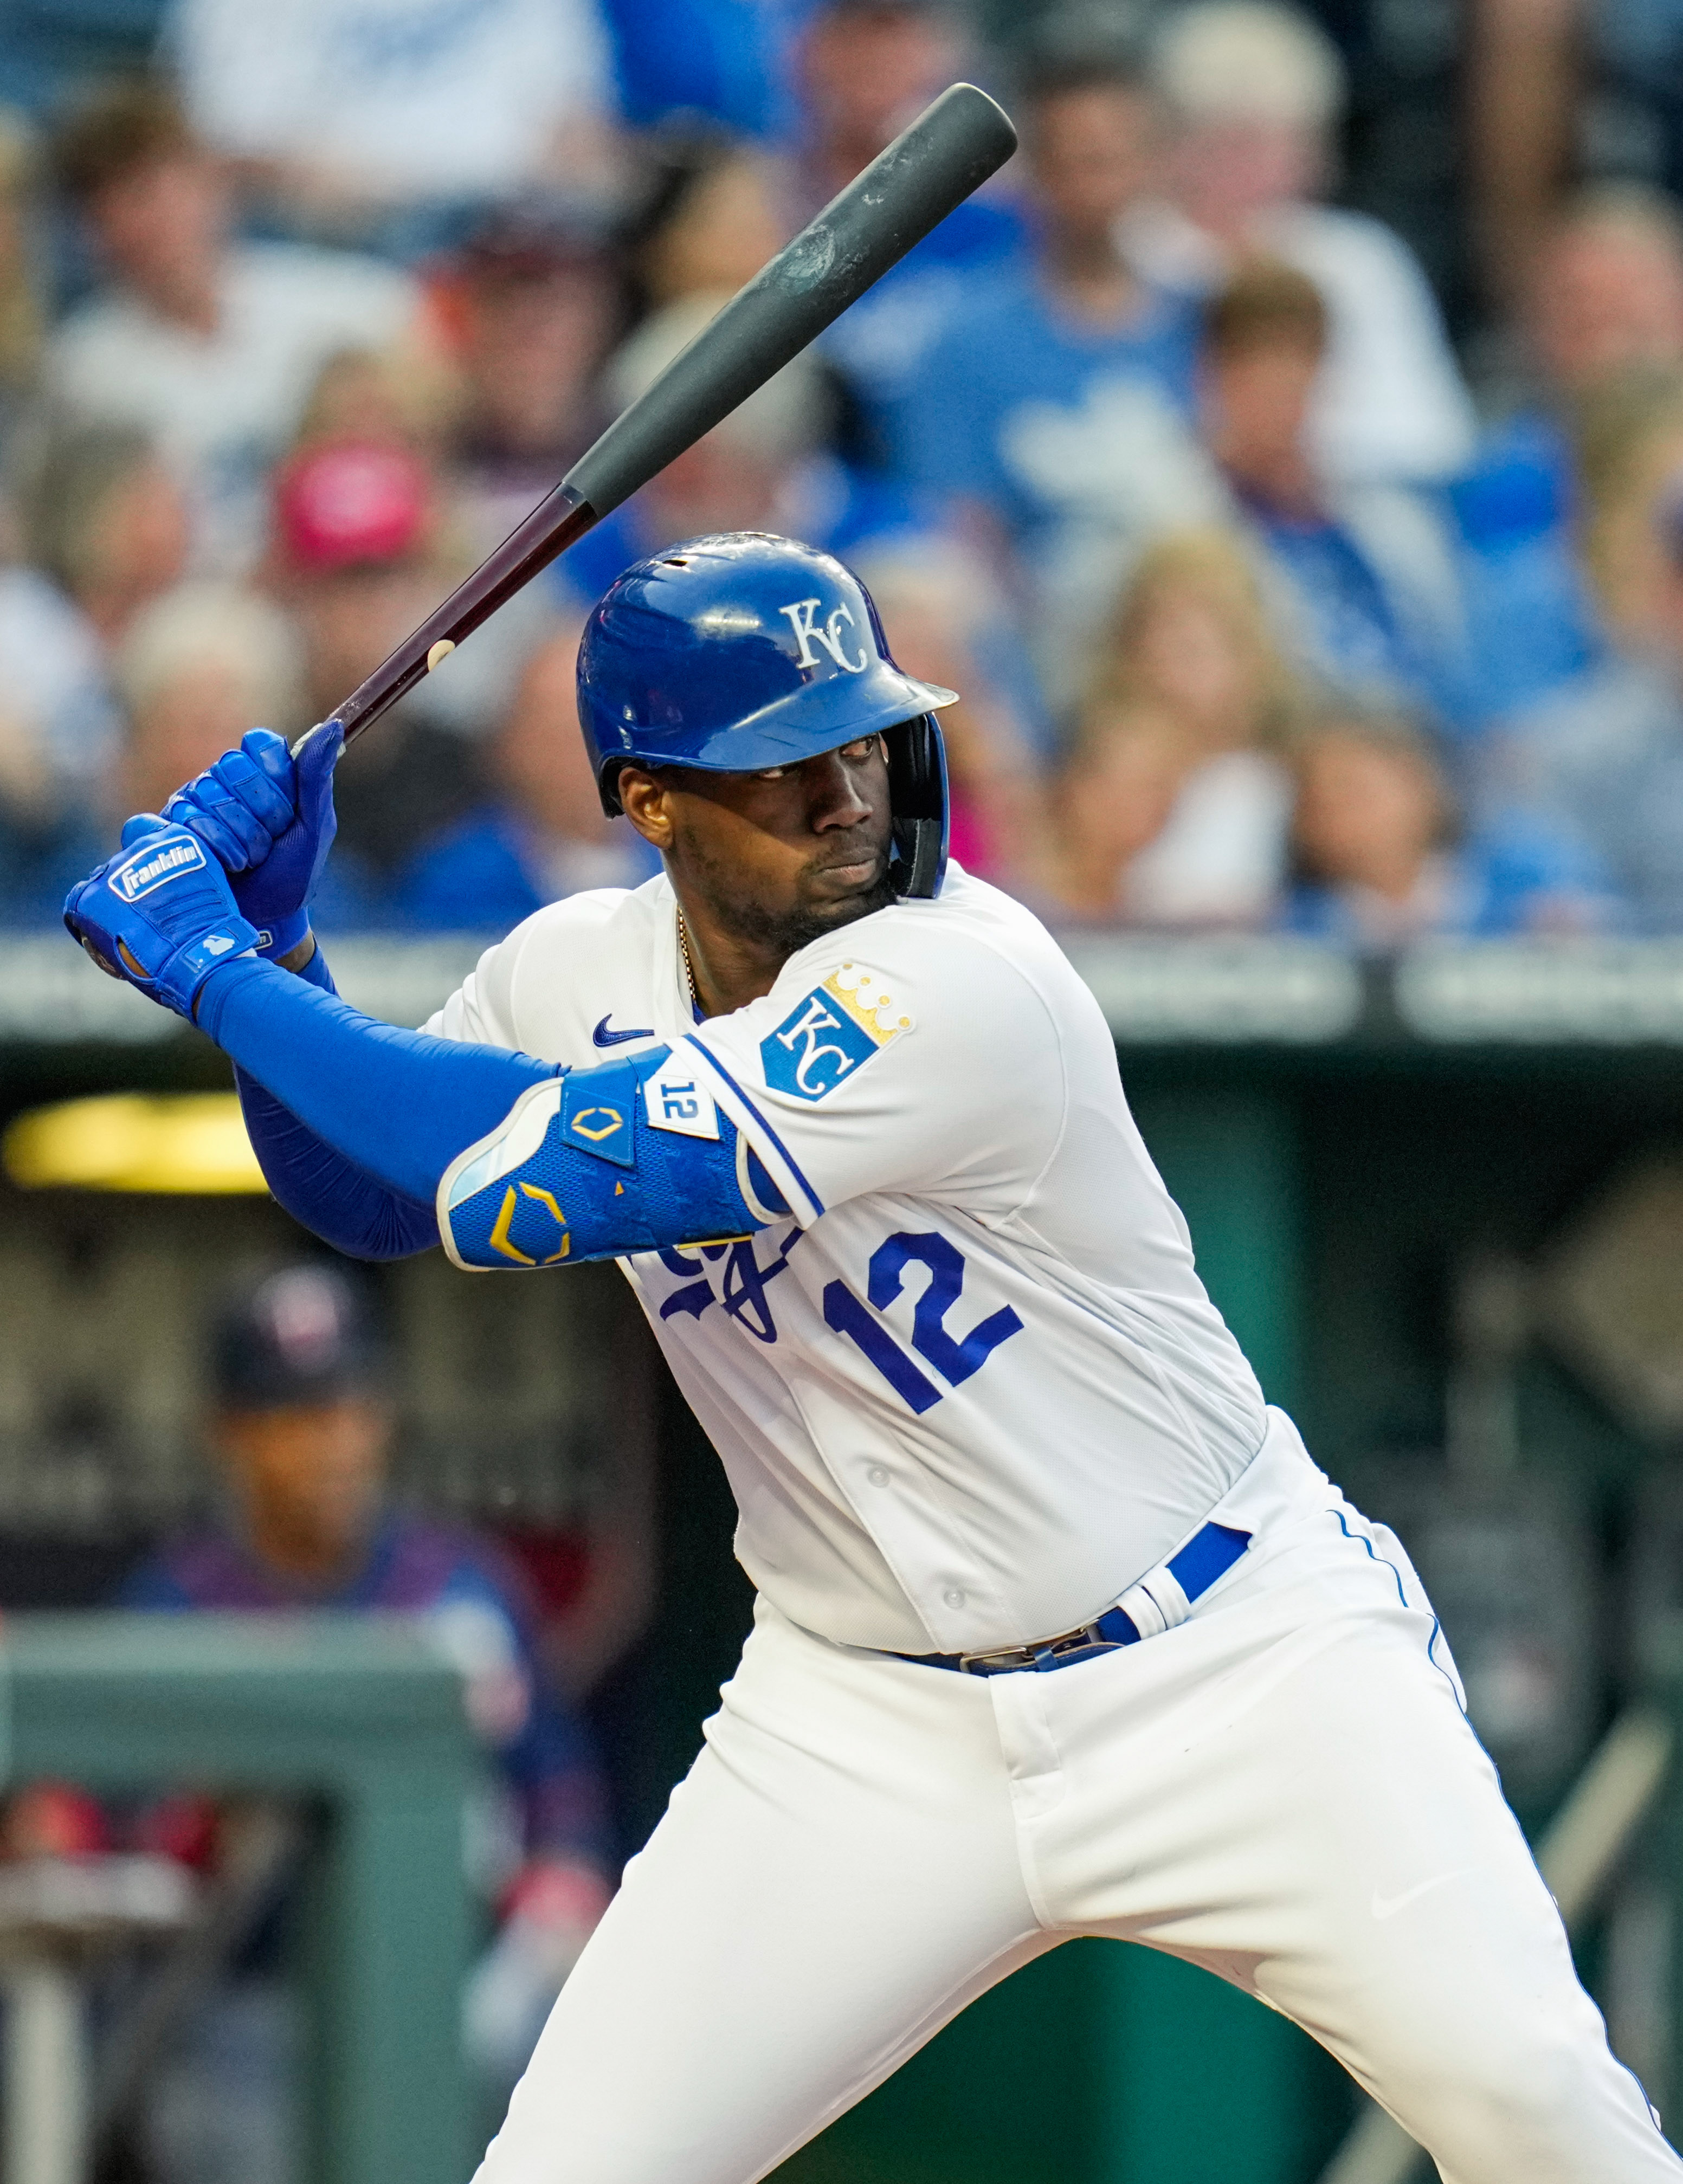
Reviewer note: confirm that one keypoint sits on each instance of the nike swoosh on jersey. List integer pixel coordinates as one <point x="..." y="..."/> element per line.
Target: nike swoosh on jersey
<point x="603" y="1037"/>
<point x="1387" y="1907"/>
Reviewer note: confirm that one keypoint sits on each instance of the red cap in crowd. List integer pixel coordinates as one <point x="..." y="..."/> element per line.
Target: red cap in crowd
<point x="338" y="507"/>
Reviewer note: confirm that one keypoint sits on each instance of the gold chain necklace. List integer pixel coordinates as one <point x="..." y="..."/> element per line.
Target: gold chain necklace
<point x="688" y="964"/>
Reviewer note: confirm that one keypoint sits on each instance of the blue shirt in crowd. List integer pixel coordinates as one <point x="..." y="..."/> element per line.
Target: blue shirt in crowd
<point x="881" y="346"/>
<point x="1049" y="420"/>
<point x="1515" y="879"/>
<point x="723" y="60"/>
<point x="1601" y="760"/>
<point x="1532" y="621"/>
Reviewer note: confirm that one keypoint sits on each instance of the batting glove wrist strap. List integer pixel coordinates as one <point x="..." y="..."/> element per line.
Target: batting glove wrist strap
<point x="159" y="915"/>
<point x="282" y="934"/>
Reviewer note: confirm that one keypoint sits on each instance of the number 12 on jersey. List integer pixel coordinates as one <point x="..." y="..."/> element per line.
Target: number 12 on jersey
<point x="953" y="1357"/>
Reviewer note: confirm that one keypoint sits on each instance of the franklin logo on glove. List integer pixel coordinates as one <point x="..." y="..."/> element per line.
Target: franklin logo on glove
<point x="150" y="869"/>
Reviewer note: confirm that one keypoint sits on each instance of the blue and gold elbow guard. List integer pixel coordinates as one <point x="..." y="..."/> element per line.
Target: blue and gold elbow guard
<point x="600" y="1163"/>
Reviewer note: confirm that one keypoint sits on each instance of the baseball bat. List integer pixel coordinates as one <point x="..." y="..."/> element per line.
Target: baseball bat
<point x="951" y="149"/>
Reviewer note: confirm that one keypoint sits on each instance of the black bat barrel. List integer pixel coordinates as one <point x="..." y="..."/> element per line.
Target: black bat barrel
<point x="952" y="147"/>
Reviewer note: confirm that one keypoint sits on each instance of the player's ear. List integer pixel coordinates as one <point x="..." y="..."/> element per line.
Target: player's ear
<point x="645" y="801"/>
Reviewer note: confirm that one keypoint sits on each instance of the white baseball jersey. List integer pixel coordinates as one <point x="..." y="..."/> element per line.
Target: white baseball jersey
<point x="968" y="1391"/>
<point x="971" y="1388"/>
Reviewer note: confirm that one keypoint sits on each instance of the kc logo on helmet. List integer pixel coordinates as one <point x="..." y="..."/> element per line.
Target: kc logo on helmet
<point x="150" y="869"/>
<point x="803" y="617"/>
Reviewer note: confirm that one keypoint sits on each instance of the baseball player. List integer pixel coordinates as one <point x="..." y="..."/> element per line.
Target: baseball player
<point x="1060" y="1630"/>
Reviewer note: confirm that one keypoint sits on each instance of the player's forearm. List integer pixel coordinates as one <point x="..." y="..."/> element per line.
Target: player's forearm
<point x="534" y="1173"/>
<point x="397" y="1105"/>
<point x="329" y="1194"/>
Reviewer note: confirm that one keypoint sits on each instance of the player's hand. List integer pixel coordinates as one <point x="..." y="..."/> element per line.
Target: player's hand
<point x="268" y="818"/>
<point x="161" y="914"/>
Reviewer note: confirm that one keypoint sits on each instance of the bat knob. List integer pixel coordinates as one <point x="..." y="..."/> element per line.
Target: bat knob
<point x="105" y="962"/>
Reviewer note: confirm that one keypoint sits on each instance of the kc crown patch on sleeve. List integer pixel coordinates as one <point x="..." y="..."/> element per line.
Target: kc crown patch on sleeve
<point x="831" y="1033"/>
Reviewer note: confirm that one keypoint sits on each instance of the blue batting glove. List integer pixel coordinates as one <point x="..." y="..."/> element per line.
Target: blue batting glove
<point x="269" y="821"/>
<point x="161" y="914"/>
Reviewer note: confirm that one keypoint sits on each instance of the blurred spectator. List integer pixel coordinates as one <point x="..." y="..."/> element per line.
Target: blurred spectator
<point x="1629" y="120"/>
<point x="22" y="316"/>
<point x="760" y="469"/>
<point x="1253" y="92"/>
<point x="862" y="70"/>
<point x="1602" y="304"/>
<point x="198" y="668"/>
<point x="725" y="60"/>
<point x="1562" y="88"/>
<point x="712" y="214"/>
<point x="540" y="834"/>
<point x="945" y="619"/>
<point x="1109" y="800"/>
<point x="209" y="345"/>
<point x="379" y="119"/>
<point x="743" y="475"/>
<point x="371" y="400"/>
<point x="102" y="526"/>
<point x="530" y="308"/>
<point x="1363" y="579"/>
<point x="302" y="1428"/>
<point x="380" y="398"/>
<point x="104" y="521"/>
<point x="1601" y="760"/>
<point x="1173" y="808"/>
<point x="1605" y="290"/>
<point x="59" y="730"/>
<point x="47" y="52"/>
<point x="1520" y="66"/>
<point x="1627" y="446"/>
<point x="1056" y="407"/>
<point x="356" y="563"/>
<point x="1381" y="858"/>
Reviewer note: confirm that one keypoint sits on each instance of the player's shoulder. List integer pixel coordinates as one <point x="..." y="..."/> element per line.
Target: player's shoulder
<point x="541" y="987"/>
<point x="601" y="915"/>
<point x="973" y="953"/>
<point x="970" y="921"/>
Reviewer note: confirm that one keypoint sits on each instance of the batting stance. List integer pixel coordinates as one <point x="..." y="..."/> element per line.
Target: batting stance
<point x="1060" y="1630"/>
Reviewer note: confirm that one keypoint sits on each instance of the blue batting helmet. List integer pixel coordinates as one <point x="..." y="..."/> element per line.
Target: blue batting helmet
<point x="745" y="651"/>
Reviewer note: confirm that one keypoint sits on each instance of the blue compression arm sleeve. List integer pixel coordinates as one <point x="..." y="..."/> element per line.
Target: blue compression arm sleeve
<point x="330" y="1195"/>
<point x="397" y="1104"/>
<point x="361" y="1120"/>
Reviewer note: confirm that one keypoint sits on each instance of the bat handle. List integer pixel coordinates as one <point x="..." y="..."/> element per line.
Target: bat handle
<point x="560" y="519"/>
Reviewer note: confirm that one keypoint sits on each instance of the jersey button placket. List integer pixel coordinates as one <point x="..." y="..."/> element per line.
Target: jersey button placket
<point x="878" y="1474"/>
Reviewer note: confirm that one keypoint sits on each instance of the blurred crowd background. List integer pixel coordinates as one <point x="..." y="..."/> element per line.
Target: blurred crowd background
<point x="1283" y="457"/>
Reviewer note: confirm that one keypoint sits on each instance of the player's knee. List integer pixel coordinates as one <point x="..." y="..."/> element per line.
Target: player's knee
<point x="1532" y="2091"/>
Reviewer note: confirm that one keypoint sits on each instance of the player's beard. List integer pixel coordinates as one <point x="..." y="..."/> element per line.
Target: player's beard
<point x="785" y="930"/>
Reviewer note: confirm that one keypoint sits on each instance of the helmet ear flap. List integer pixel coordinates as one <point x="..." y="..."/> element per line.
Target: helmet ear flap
<point x="917" y="799"/>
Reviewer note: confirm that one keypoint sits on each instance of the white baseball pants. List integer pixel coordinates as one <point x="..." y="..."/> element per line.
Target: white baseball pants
<point x="1283" y="1789"/>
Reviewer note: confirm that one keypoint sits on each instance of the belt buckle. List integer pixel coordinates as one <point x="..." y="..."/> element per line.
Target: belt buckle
<point x="1048" y="1654"/>
<point x="1080" y="1646"/>
<point x="1000" y="1662"/>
